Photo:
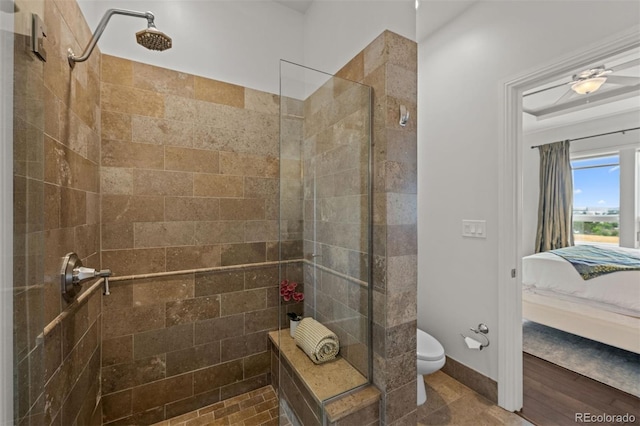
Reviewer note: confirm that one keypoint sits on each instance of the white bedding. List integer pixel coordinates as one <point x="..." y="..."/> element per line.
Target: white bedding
<point x="550" y="275"/>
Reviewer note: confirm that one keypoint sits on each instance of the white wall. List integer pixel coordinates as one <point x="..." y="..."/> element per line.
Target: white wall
<point x="336" y="31"/>
<point x="461" y="70"/>
<point x="6" y="212"/>
<point x="434" y="14"/>
<point x="599" y="145"/>
<point x="239" y="42"/>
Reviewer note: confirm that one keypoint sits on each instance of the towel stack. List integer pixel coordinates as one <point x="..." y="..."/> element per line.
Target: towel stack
<point x="316" y="340"/>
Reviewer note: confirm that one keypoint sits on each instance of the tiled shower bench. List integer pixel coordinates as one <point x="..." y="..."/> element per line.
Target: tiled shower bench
<point x="307" y="388"/>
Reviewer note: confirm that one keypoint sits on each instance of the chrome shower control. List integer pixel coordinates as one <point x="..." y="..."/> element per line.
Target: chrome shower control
<point x="73" y="274"/>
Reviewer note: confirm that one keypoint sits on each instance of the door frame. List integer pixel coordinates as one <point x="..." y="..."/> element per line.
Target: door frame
<point x="510" y="202"/>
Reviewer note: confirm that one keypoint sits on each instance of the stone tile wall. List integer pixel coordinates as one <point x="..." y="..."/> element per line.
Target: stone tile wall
<point x="28" y="235"/>
<point x="341" y="304"/>
<point x="335" y="155"/>
<point x="336" y="176"/>
<point x="291" y="183"/>
<point x="289" y="386"/>
<point x="320" y="394"/>
<point x="190" y="171"/>
<point x="176" y="343"/>
<point x="190" y="179"/>
<point x="72" y="366"/>
<point x="331" y="130"/>
<point x="389" y="66"/>
<point x="186" y="172"/>
<point x="291" y="193"/>
<point x="56" y="208"/>
<point x="361" y="407"/>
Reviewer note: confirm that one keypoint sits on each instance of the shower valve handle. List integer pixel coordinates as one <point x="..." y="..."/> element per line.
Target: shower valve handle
<point x="82" y="274"/>
<point x="73" y="274"/>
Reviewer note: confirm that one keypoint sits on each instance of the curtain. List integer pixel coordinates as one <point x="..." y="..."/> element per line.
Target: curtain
<point x="555" y="205"/>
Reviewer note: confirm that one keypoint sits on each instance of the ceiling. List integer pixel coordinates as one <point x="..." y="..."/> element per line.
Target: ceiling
<point x="552" y="108"/>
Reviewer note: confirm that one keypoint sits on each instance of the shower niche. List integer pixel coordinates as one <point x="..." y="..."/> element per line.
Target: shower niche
<point x="325" y="238"/>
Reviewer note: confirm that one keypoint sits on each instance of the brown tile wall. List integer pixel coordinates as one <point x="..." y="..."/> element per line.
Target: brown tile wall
<point x="334" y="143"/>
<point x="56" y="152"/>
<point x="186" y="170"/>
<point x="28" y="235"/>
<point x="190" y="179"/>
<point x="291" y="184"/>
<point x="341" y="304"/>
<point x="72" y="366"/>
<point x="361" y="407"/>
<point x="289" y="386"/>
<point x="367" y="416"/>
<point x="335" y="164"/>
<point x="333" y="124"/>
<point x="190" y="171"/>
<point x="335" y="156"/>
<point x="176" y="343"/>
<point x="389" y="66"/>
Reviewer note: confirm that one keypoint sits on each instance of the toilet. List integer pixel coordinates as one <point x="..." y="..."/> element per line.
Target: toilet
<point x="430" y="359"/>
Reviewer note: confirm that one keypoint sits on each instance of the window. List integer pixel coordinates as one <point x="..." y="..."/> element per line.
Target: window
<point x="596" y="200"/>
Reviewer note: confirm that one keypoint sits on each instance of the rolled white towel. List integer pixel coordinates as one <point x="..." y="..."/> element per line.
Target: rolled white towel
<point x="316" y="340"/>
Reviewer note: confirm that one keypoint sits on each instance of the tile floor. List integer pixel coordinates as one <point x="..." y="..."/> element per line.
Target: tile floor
<point x="255" y="408"/>
<point x="449" y="402"/>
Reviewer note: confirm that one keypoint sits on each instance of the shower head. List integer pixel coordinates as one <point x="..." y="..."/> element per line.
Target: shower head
<point x="150" y="38"/>
<point x="153" y="39"/>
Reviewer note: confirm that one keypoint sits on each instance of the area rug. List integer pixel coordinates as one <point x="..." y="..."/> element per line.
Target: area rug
<point x="615" y="367"/>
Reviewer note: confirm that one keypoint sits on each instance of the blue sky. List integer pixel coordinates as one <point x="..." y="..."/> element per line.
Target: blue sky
<point x="596" y="187"/>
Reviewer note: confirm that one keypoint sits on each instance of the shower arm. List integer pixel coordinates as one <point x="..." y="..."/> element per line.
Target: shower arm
<point x="72" y="58"/>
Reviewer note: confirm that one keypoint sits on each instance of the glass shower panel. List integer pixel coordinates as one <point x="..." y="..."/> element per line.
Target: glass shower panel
<point x="29" y="226"/>
<point x="325" y="205"/>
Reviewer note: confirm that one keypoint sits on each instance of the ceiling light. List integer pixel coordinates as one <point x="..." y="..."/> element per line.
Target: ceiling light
<point x="589" y="85"/>
<point x="417" y="4"/>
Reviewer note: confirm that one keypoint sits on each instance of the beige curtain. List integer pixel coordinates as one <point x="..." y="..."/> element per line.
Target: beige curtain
<point x="555" y="206"/>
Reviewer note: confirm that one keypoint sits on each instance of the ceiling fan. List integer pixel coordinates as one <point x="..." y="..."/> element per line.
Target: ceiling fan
<point x="590" y="80"/>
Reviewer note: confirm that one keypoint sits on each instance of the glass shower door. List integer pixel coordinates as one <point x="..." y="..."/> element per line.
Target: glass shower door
<point x="29" y="227"/>
<point x="325" y="206"/>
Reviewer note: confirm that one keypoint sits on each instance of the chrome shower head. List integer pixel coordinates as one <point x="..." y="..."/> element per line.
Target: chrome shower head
<point x="150" y="38"/>
<point x="153" y="39"/>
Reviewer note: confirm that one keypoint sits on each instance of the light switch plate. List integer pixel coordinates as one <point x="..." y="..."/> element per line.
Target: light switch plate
<point x="474" y="228"/>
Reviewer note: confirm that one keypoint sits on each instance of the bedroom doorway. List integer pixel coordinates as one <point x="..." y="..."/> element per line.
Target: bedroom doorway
<point x="579" y="186"/>
<point x="516" y="203"/>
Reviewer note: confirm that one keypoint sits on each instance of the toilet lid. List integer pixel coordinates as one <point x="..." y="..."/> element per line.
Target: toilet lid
<point x="429" y="349"/>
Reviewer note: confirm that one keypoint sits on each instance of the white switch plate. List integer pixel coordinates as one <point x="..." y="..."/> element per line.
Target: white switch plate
<point x="474" y="228"/>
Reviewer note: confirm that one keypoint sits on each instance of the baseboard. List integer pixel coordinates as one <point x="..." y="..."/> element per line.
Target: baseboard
<point x="469" y="377"/>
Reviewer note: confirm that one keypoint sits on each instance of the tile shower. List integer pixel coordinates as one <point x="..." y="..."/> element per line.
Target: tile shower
<point x="173" y="181"/>
<point x="190" y="178"/>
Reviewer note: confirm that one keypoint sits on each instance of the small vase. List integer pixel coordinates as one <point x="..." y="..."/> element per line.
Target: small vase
<point x="293" y="324"/>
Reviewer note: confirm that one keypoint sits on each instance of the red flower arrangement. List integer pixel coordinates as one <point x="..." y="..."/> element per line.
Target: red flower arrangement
<point x="288" y="291"/>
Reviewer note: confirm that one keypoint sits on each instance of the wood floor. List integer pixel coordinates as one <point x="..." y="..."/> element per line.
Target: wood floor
<point x="553" y="395"/>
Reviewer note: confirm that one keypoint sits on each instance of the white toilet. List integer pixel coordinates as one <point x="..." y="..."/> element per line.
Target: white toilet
<point x="430" y="359"/>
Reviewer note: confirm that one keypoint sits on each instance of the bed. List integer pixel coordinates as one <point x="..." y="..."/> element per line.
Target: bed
<point x="605" y="308"/>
